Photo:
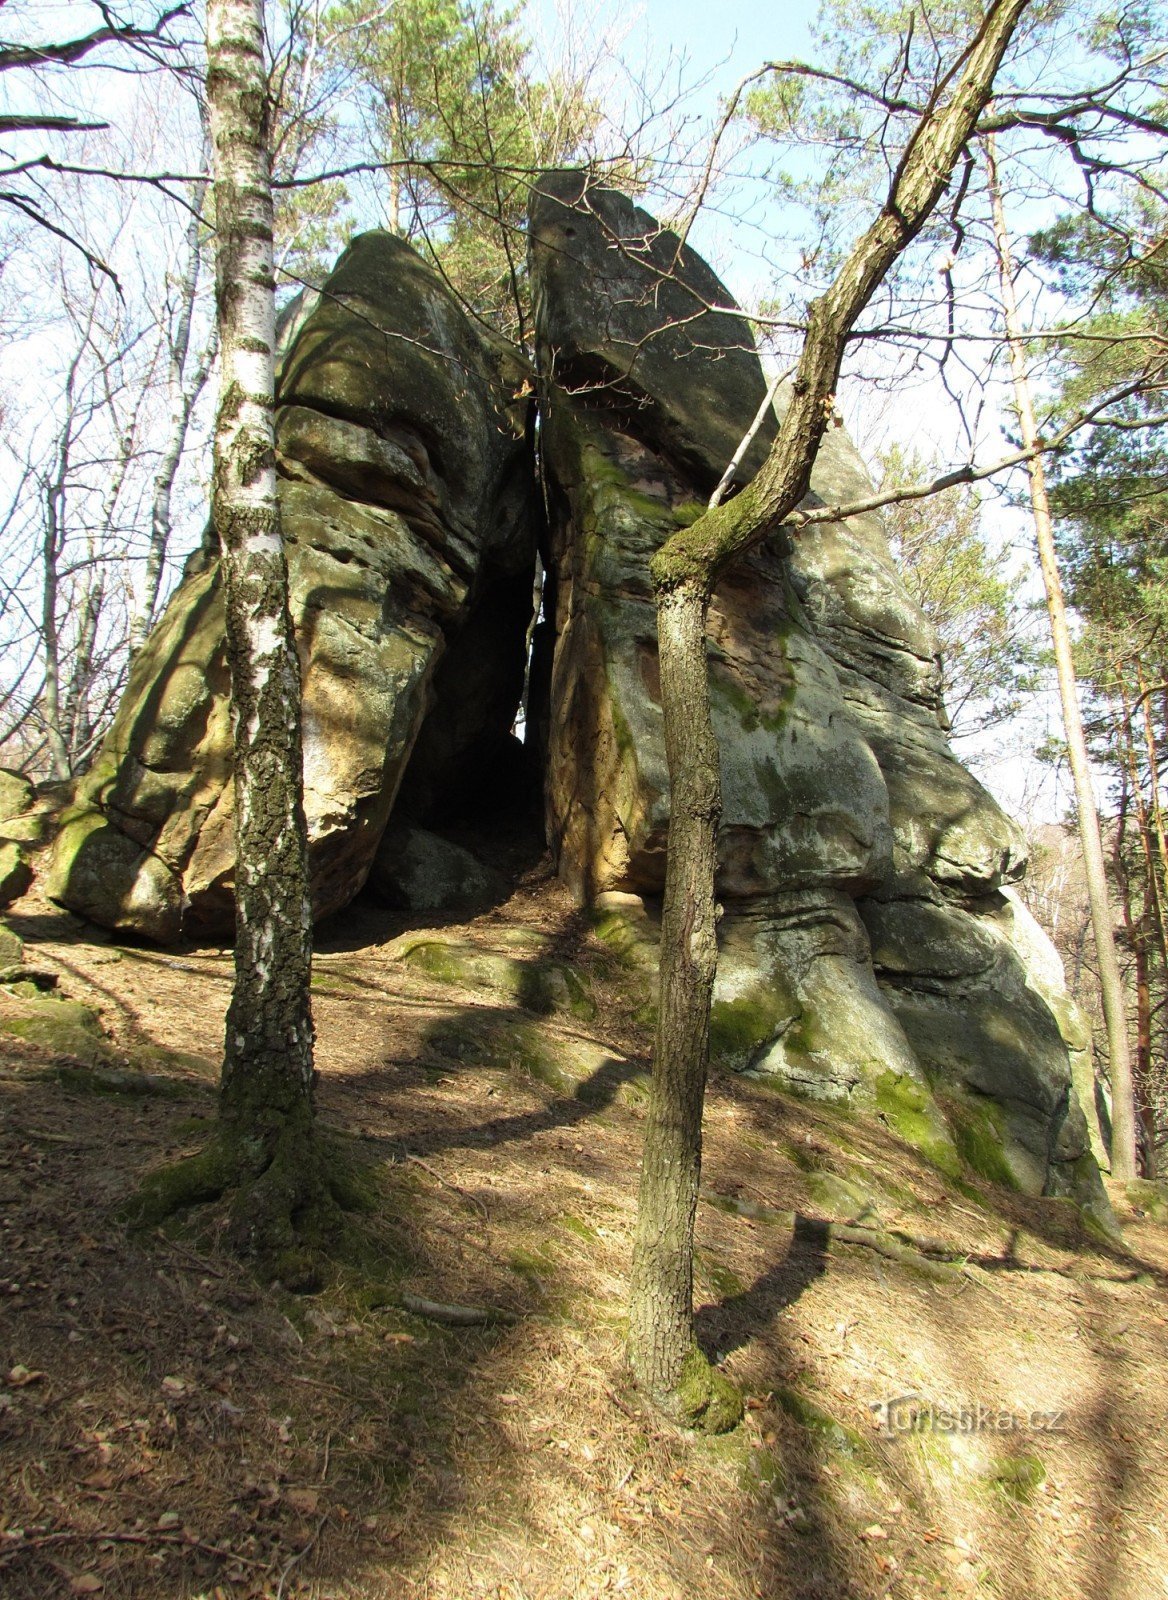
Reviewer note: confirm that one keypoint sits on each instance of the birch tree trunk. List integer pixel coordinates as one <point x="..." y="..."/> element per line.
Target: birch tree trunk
<point x="662" y="1351"/>
<point x="1123" y="1126"/>
<point x="183" y="389"/>
<point x="266" y="1095"/>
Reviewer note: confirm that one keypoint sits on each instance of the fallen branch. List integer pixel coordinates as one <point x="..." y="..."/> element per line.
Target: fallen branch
<point x="929" y="1256"/>
<point x="456" y="1316"/>
<point x="893" y="1249"/>
<point x="196" y="1261"/>
<point x="447" y="1184"/>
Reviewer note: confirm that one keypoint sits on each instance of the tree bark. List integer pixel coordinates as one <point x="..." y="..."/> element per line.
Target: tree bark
<point x="662" y="1351"/>
<point x="1123" y="1129"/>
<point x="266" y="1094"/>
<point x="183" y="390"/>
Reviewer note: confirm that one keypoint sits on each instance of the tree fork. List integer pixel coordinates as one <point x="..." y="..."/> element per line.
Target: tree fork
<point x="662" y="1353"/>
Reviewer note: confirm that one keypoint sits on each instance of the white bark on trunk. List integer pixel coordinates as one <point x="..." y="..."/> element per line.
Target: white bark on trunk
<point x="267" y="1069"/>
<point x="183" y="390"/>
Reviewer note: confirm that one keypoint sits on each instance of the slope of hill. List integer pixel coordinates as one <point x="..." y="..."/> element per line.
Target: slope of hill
<point x="952" y="1388"/>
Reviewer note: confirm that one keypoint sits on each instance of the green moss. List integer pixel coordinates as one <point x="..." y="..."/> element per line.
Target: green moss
<point x="618" y="932"/>
<point x="838" y="1197"/>
<point x="118" y="1081"/>
<point x="580" y="1228"/>
<point x="287" y="1188"/>
<point x="762" y="1472"/>
<point x="740" y="1027"/>
<point x="737" y="704"/>
<point x="634" y="1091"/>
<point x="179" y="1185"/>
<point x="1018" y="1477"/>
<point x="1149" y="1197"/>
<point x="150" y="1057"/>
<point x="913" y="1115"/>
<point x="724" y="1282"/>
<point x="705" y="1398"/>
<point x="805" y="1036"/>
<point x="542" y="987"/>
<point x="735" y="699"/>
<point x="537" y="1268"/>
<point x="979" y="1132"/>
<point x="64" y="1026"/>
<point x="32" y="830"/>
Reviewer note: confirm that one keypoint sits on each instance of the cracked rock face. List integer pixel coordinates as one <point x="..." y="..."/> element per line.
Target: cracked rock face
<point x="405" y="509"/>
<point x="871" y="951"/>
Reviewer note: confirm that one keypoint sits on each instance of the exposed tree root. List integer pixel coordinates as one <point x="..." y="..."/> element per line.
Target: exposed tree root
<point x="287" y="1189"/>
<point x="456" y="1316"/>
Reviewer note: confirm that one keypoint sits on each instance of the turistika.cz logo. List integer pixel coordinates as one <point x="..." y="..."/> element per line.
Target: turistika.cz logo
<point x="909" y="1413"/>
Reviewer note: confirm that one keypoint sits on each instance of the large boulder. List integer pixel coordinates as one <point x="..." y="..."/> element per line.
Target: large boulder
<point x="870" y="952"/>
<point x="403" y="494"/>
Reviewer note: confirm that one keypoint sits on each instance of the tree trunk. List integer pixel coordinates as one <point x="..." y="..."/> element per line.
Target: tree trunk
<point x="661" y="1349"/>
<point x="266" y="1095"/>
<point x="1153" y="767"/>
<point x="665" y="1360"/>
<point x="183" y="390"/>
<point x="1123" y="1129"/>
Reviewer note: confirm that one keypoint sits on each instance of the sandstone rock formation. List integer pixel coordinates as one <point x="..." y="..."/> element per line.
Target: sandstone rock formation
<point x="870" y="951"/>
<point x="405" y="497"/>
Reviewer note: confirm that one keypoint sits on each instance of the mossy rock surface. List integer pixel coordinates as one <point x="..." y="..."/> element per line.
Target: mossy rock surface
<point x="842" y="1199"/>
<point x="419" y="871"/>
<point x="11" y="948"/>
<point x="978" y="1125"/>
<point x="15" y="872"/>
<point x="1149" y="1197"/>
<point x="32" y="830"/>
<point x="535" y="984"/>
<point x="64" y="1026"/>
<point x="17" y="794"/>
<point x="910" y="1110"/>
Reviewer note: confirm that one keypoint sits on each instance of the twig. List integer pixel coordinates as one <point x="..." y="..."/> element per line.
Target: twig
<point x="100" y="1537"/>
<point x="447" y="1184"/>
<point x="197" y="1261"/>
<point x="299" y="1556"/>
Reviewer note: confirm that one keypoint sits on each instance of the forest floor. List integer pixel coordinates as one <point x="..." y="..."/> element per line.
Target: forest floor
<point x="170" y="1428"/>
